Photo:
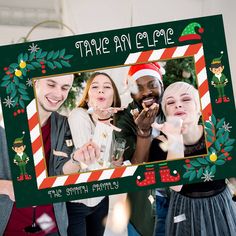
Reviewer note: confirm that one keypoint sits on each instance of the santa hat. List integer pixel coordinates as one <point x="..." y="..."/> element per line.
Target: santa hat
<point x="191" y="32"/>
<point x="149" y="69"/>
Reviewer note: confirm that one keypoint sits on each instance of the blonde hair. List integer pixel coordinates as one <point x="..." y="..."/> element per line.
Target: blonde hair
<point x="181" y="87"/>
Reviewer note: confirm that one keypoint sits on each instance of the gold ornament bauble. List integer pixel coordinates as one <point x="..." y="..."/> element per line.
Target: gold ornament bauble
<point x="22" y="64"/>
<point x="213" y="157"/>
<point x="18" y="73"/>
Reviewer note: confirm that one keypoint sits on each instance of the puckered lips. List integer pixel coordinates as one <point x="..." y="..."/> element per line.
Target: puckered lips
<point x="180" y="113"/>
<point x="101" y="99"/>
<point x="149" y="101"/>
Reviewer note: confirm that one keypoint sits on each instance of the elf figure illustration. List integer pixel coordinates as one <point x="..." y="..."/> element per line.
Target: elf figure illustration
<point x="21" y="159"/>
<point x="219" y="80"/>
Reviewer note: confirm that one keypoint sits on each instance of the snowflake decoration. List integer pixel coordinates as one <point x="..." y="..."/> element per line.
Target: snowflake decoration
<point x="33" y="48"/>
<point x="8" y="102"/>
<point x="207" y="176"/>
<point x="29" y="82"/>
<point x="226" y="127"/>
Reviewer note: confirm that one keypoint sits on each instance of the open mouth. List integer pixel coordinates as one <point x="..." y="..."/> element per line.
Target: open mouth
<point x="148" y="101"/>
<point x="53" y="101"/>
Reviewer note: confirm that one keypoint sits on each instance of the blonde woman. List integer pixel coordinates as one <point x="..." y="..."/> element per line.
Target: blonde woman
<point x="196" y="209"/>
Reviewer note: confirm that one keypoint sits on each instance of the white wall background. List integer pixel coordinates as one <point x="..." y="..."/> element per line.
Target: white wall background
<point x="86" y="16"/>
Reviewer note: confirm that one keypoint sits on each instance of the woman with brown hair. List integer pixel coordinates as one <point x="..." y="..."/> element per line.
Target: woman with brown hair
<point x="99" y="102"/>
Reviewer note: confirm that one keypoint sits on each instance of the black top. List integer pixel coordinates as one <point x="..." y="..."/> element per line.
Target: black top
<point x="204" y="189"/>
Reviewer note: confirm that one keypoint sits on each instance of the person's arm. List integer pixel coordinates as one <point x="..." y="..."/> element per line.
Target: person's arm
<point x="82" y="157"/>
<point x="6" y="188"/>
<point x="143" y="121"/>
<point x="172" y="128"/>
<point x="81" y="131"/>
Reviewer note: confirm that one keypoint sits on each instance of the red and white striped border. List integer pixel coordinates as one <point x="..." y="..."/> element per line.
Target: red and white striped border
<point x="43" y="181"/>
<point x="194" y="50"/>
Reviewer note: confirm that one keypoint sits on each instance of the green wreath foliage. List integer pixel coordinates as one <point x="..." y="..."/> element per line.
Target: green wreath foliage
<point x="17" y="73"/>
<point x="221" y="145"/>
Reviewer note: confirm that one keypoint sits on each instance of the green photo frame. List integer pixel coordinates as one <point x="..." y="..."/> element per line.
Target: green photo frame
<point x="202" y="39"/>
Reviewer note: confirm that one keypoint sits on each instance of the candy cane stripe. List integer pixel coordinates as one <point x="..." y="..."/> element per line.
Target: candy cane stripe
<point x="38" y="156"/>
<point x="48" y="182"/>
<point x="95" y="175"/>
<point x="40" y="167"/>
<point x="193" y="50"/>
<point x="180" y="51"/>
<point x="118" y="172"/>
<point x="167" y="54"/>
<point x="202" y="77"/>
<point x="144" y="56"/>
<point x="156" y="54"/>
<point x="33" y="121"/>
<point x="59" y="181"/>
<point x="71" y="179"/>
<point x="43" y="181"/>
<point x="106" y="174"/>
<point x="200" y="64"/>
<point x="132" y="58"/>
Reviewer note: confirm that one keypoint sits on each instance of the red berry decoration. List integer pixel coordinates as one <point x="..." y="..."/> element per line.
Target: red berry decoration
<point x="187" y="161"/>
<point x="41" y="62"/>
<point x="229" y="158"/>
<point x="15" y="114"/>
<point x="5" y="68"/>
<point x="43" y="66"/>
<point x="18" y="111"/>
<point x="43" y="71"/>
<point x="22" y="110"/>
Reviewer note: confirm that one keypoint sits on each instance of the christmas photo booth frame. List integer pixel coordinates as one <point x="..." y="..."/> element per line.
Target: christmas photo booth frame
<point x="102" y="50"/>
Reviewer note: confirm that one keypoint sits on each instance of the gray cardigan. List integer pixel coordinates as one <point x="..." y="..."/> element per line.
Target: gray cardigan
<point x="60" y="132"/>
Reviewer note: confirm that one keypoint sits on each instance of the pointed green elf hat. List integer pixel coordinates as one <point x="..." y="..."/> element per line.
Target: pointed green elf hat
<point x="19" y="140"/>
<point x="189" y="32"/>
<point x="217" y="60"/>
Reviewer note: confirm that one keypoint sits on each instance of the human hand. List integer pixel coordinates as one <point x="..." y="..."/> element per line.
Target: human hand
<point x="104" y="113"/>
<point x="117" y="163"/>
<point x="87" y="154"/>
<point x="146" y="117"/>
<point x="172" y="127"/>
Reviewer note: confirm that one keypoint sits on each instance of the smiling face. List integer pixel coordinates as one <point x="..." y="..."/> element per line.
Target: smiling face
<point x="52" y="92"/>
<point x="101" y="92"/>
<point x="217" y="70"/>
<point x="149" y="90"/>
<point x="181" y="100"/>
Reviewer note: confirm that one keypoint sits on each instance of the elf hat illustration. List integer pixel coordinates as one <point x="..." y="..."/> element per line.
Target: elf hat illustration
<point x="191" y="32"/>
<point x="19" y="141"/>
<point x="216" y="61"/>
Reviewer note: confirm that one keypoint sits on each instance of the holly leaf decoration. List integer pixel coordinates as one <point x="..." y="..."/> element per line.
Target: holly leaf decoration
<point x="219" y="152"/>
<point x="16" y="74"/>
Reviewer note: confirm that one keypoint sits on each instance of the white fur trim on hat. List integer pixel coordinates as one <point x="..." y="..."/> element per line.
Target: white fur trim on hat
<point x="146" y="72"/>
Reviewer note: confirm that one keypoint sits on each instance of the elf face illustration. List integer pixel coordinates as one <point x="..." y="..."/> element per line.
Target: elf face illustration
<point x="218" y="70"/>
<point x="19" y="150"/>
